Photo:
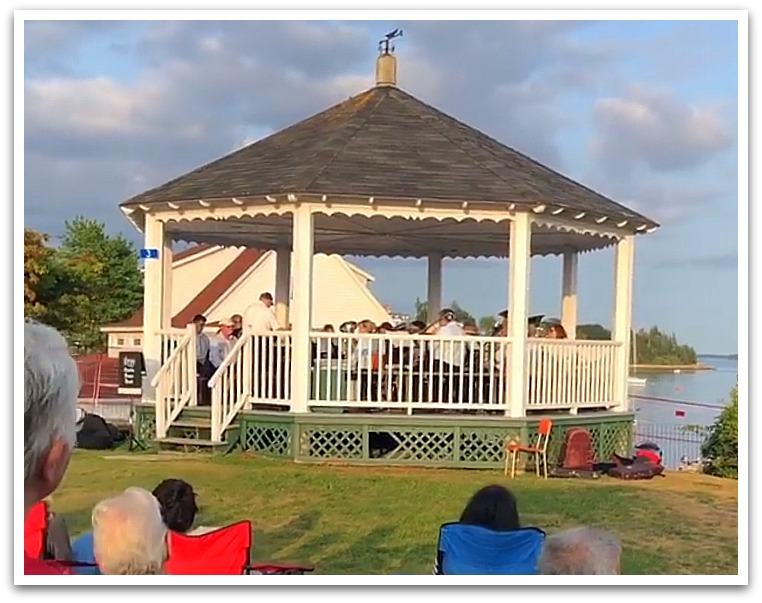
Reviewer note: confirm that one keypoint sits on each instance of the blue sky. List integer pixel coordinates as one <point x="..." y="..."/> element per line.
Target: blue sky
<point x="644" y="112"/>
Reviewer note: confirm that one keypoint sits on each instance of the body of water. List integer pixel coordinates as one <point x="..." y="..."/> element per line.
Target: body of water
<point x="710" y="388"/>
<point x="690" y="398"/>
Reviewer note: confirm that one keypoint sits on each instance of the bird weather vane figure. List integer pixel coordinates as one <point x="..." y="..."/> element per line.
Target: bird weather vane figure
<point x="385" y="45"/>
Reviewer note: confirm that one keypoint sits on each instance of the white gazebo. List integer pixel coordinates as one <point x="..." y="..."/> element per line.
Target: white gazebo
<point x="384" y="174"/>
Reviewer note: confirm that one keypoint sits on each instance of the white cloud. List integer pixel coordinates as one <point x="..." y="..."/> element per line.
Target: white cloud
<point x="655" y="129"/>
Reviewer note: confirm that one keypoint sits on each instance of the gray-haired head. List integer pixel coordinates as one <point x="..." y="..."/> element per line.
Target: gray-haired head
<point x="581" y="551"/>
<point x="51" y="387"/>
<point x="129" y="535"/>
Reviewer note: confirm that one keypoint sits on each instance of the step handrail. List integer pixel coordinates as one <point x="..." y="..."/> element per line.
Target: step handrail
<point x="231" y="356"/>
<point x="184" y="343"/>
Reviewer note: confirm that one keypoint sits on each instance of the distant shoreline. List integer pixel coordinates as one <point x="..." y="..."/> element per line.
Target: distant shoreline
<point x="665" y="368"/>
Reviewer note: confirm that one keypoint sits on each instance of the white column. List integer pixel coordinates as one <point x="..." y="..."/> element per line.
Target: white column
<point x="153" y="295"/>
<point x="569" y="293"/>
<point x="434" y="286"/>
<point x="301" y="310"/>
<point x="518" y="311"/>
<point x="623" y="274"/>
<point x="282" y="284"/>
<point x="166" y="299"/>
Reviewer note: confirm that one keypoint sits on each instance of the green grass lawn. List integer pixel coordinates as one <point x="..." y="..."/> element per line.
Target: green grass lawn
<point x="360" y="520"/>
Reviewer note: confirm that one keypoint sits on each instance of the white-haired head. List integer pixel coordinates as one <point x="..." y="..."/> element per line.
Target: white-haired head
<point x="581" y="551"/>
<point x="129" y="536"/>
<point x="51" y="387"/>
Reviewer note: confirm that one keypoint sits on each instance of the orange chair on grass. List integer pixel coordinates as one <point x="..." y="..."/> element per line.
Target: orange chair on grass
<point x="539" y="449"/>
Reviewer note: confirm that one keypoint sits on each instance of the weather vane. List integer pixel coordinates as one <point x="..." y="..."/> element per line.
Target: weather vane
<point x="384" y="46"/>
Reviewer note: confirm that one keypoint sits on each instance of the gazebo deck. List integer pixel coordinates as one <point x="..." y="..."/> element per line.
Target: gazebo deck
<point x="443" y="439"/>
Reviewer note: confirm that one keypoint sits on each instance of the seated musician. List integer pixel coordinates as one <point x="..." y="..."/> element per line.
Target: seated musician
<point x="448" y="356"/>
<point x="366" y="354"/>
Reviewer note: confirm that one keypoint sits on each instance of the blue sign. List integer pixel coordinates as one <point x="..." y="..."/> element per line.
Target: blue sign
<point x="149" y="254"/>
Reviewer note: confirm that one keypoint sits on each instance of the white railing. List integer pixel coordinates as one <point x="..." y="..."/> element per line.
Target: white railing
<point x="562" y="373"/>
<point x="175" y="382"/>
<point x="409" y="372"/>
<point x="170" y="339"/>
<point x="257" y="370"/>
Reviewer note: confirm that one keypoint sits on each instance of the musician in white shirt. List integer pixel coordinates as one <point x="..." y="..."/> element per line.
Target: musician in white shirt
<point x="259" y="317"/>
<point x="448" y="357"/>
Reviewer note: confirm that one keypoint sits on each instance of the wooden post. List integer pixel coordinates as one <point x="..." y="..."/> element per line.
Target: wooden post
<point x="301" y="312"/>
<point x="282" y="284"/>
<point x="569" y="294"/>
<point x="518" y="305"/>
<point x="624" y="267"/>
<point x="153" y="297"/>
<point x="434" y="288"/>
<point x="166" y="299"/>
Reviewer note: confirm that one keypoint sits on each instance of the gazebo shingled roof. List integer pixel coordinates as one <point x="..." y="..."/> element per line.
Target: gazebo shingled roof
<point x="386" y="143"/>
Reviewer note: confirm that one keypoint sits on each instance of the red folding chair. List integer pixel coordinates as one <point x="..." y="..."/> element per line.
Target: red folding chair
<point x="35" y="529"/>
<point x="223" y="552"/>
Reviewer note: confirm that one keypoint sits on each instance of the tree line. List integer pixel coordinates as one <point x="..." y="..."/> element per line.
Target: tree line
<point x="651" y="346"/>
<point x="89" y="280"/>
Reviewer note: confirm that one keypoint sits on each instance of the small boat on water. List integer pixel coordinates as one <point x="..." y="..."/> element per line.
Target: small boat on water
<point x="636" y="381"/>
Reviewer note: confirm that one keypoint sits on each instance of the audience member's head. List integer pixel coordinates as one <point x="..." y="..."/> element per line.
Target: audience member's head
<point x="492" y="507"/>
<point x="581" y="551"/>
<point x="237" y="321"/>
<point x="556" y="331"/>
<point x="328" y="329"/>
<point x="366" y="326"/>
<point x="178" y="504"/>
<point x="199" y="321"/>
<point x="129" y="536"/>
<point x="51" y="387"/>
<point x="267" y="299"/>
<point x="226" y="327"/>
<point x="384" y="327"/>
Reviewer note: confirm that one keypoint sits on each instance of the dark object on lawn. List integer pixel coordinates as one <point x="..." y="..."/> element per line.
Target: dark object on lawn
<point x="646" y="464"/>
<point x="637" y="471"/>
<point x="94" y="433"/>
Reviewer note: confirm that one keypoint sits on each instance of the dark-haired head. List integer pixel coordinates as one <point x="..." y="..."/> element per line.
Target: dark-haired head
<point x="178" y="504"/>
<point x="492" y="507"/>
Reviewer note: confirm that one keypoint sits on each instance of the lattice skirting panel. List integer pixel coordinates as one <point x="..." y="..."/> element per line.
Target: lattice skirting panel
<point x="145" y="424"/>
<point x="269" y="438"/>
<point x="438" y="443"/>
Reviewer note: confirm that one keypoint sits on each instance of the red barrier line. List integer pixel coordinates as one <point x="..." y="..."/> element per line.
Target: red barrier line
<point x="669" y="438"/>
<point x="675" y="401"/>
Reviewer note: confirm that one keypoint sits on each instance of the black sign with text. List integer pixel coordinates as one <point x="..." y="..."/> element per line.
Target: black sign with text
<point x="130" y="370"/>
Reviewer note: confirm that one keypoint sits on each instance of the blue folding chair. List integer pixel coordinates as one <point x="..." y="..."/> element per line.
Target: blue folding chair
<point x="467" y="550"/>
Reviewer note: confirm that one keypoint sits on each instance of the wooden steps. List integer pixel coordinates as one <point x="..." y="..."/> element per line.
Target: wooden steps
<point x="192" y="431"/>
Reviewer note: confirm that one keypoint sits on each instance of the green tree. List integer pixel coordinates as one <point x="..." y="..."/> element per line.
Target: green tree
<point x="421" y="310"/>
<point x="92" y="279"/>
<point x="461" y="315"/>
<point x="36" y="266"/>
<point x="486" y="324"/>
<point x="593" y="331"/>
<point x="721" y="446"/>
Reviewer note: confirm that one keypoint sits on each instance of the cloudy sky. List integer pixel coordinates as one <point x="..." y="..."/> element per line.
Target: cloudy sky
<point x="642" y="111"/>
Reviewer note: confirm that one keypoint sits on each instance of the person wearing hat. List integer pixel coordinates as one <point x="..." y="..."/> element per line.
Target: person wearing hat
<point x="221" y="343"/>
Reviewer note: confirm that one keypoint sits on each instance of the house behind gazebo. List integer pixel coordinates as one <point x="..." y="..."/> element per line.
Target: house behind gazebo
<point x="384" y="174"/>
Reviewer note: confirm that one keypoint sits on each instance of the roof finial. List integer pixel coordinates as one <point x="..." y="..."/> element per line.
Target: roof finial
<point x="386" y="64"/>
